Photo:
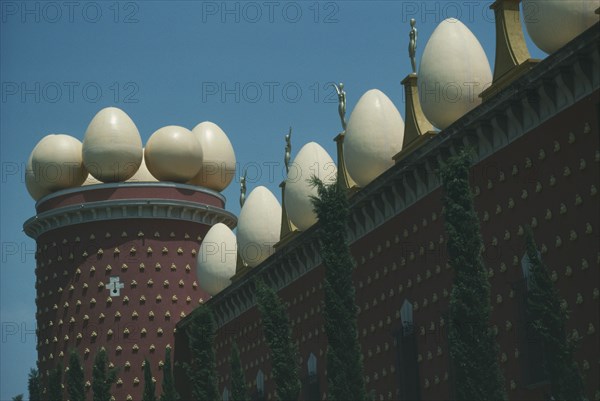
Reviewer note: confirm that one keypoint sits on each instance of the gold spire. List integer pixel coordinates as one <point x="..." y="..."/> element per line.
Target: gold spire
<point x="288" y="229"/>
<point x="512" y="56"/>
<point x="417" y="128"/>
<point x="343" y="178"/>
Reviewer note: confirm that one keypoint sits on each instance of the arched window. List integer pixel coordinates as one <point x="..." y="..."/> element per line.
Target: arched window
<point x="312" y="365"/>
<point x="406" y="315"/>
<point x="525" y="268"/>
<point x="531" y="344"/>
<point x="407" y="354"/>
<point x="260" y="383"/>
<point x="226" y="394"/>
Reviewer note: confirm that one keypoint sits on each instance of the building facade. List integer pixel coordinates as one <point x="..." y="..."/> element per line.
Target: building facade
<point x="537" y="146"/>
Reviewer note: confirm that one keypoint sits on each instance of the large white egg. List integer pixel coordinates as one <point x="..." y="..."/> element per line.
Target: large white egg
<point x="218" y="163"/>
<point x="112" y="147"/>
<point x="173" y="153"/>
<point x="142" y="174"/>
<point x="90" y="180"/>
<point x="454" y="70"/>
<point x="311" y="160"/>
<point x="259" y="226"/>
<point x="57" y="164"/>
<point x="36" y="191"/>
<point x="554" y="23"/>
<point x="374" y="135"/>
<point x="217" y="259"/>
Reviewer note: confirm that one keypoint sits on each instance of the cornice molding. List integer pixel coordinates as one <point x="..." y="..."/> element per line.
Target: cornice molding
<point x="119" y="209"/>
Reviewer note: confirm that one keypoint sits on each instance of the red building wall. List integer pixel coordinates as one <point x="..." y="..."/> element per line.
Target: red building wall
<point x="406" y="259"/>
<point x="155" y="260"/>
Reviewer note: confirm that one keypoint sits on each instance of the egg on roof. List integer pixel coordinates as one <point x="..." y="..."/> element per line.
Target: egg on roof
<point x="218" y="164"/>
<point x="217" y="259"/>
<point x="112" y="146"/>
<point x="259" y="226"/>
<point x="36" y="191"/>
<point x="454" y="70"/>
<point x="142" y="174"/>
<point x="56" y="162"/>
<point x="311" y="160"/>
<point x="554" y="23"/>
<point x="173" y="153"/>
<point x="374" y="135"/>
<point x="90" y="180"/>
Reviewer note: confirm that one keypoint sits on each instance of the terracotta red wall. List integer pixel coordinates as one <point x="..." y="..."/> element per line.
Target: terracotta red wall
<point x="59" y="272"/>
<point x="392" y="267"/>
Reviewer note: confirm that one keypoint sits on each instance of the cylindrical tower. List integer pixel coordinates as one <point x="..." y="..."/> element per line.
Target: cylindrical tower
<point x="116" y="269"/>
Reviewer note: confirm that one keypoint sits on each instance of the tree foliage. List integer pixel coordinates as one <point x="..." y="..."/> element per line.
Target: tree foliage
<point x="238" y="382"/>
<point x="149" y="385"/>
<point x="344" y="359"/>
<point x="472" y="345"/>
<point x="34" y="385"/>
<point x="278" y="333"/>
<point x="18" y="397"/>
<point x="169" y="393"/>
<point x="55" y="391"/>
<point x="102" y="377"/>
<point x="75" y="380"/>
<point x="549" y="320"/>
<point x="202" y="368"/>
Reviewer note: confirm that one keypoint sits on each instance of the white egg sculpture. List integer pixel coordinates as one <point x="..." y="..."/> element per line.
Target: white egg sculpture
<point x="374" y="135"/>
<point x="218" y="163"/>
<point x="454" y="70"/>
<point x="217" y="259"/>
<point x="57" y="164"/>
<point x="311" y="160"/>
<point x="112" y="146"/>
<point x="259" y="226"/>
<point x="142" y="174"/>
<point x="173" y="153"/>
<point x="90" y="180"/>
<point x="551" y="24"/>
<point x="36" y="191"/>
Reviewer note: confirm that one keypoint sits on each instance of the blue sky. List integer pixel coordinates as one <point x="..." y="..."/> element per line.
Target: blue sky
<point x="253" y="68"/>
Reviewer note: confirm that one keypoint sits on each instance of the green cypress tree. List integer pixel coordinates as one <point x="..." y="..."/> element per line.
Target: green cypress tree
<point x="75" y="381"/>
<point x="149" y="385"/>
<point x="238" y="382"/>
<point x="169" y="393"/>
<point x="202" y="368"/>
<point x="55" y="391"/>
<point x="102" y="377"/>
<point x="549" y="320"/>
<point x="472" y="345"/>
<point x="345" y="374"/>
<point x="34" y="385"/>
<point x="278" y="333"/>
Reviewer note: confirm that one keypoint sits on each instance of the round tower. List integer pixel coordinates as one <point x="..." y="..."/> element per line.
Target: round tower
<point x="116" y="268"/>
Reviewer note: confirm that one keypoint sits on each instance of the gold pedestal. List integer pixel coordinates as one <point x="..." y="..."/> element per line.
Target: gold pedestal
<point x="512" y="55"/>
<point x="417" y="128"/>
<point x="288" y="229"/>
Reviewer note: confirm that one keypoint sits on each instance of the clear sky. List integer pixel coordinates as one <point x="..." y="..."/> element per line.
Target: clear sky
<point x="253" y="68"/>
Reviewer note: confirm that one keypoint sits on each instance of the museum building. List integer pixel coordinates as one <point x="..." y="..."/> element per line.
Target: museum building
<point x="131" y="238"/>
